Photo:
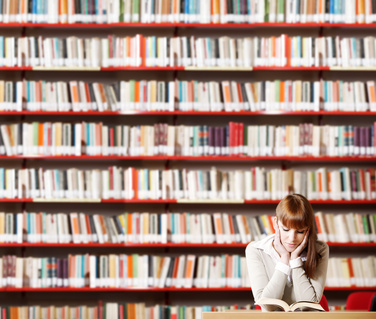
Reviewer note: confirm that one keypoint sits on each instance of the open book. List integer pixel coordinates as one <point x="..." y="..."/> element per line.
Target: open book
<point x="301" y="305"/>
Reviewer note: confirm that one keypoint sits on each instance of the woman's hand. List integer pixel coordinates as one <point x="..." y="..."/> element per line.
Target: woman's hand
<point x="281" y="250"/>
<point x="296" y="253"/>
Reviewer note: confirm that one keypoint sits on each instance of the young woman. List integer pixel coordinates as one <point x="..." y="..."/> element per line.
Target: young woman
<point x="291" y="264"/>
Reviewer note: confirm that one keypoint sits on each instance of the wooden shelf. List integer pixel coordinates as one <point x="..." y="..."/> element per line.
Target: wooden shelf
<point x="187" y="68"/>
<point x="158" y="245"/>
<point x="177" y="201"/>
<point x="188" y="25"/>
<point x="171" y="289"/>
<point x="196" y="113"/>
<point x="199" y="158"/>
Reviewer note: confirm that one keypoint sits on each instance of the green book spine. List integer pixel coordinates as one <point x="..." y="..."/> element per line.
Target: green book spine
<point x="277" y="86"/>
<point x="266" y="19"/>
<point x="121" y="13"/>
<point x="135" y="266"/>
<point x="132" y="88"/>
<point x="365" y="225"/>
<point x="281" y="11"/>
<point x="136" y="11"/>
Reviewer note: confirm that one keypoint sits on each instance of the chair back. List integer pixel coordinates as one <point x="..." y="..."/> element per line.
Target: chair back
<point x="360" y="300"/>
<point x="324" y="303"/>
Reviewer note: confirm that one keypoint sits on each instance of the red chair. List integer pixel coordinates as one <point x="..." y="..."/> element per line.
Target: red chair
<point x="360" y="300"/>
<point x="323" y="303"/>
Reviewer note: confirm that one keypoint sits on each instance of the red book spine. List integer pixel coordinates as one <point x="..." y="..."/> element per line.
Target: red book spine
<point x="112" y="138"/>
<point x="241" y="138"/>
<point x="110" y="44"/>
<point x="111" y="173"/>
<point x="236" y="138"/>
<point x="89" y="231"/>
<point x="135" y="182"/>
<point x="230" y="137"/>
<point x="100" y="309"/>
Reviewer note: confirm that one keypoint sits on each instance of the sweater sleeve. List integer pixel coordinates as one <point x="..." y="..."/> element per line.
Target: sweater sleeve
<point x="307" y="288"/>
<point x="260" y="283"/>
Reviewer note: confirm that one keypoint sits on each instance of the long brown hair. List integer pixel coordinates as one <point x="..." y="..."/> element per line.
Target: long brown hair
<point x="295" y="211"/>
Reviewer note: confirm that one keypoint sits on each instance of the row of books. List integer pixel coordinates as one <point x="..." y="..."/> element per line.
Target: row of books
<point x="229" y="96"/>
<point x="112" y="310"/>
<point x="131" y="183"/>
<point x="53" y="139"/>
<point x="143" y="271"/>
<point x="346" y="272"/>
<point x="181" y="227"/>
<point x="188" y="11"/>
<point x="345" y="228"/>
<point x="153" y="51"/>
<point x="124" y="271"/>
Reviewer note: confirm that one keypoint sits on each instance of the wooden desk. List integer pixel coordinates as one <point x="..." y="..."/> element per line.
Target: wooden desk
<point x="284" y="315"/>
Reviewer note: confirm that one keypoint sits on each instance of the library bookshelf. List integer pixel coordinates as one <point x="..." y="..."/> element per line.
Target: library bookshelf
<point x="136" y="117"/>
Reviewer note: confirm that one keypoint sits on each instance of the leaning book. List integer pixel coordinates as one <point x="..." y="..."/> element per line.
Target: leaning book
<point x="296" y="306"/>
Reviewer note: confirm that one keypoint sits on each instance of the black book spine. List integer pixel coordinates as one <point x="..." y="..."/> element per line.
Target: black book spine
<point x="170" y="272"/>
<point x="93" y="229"/>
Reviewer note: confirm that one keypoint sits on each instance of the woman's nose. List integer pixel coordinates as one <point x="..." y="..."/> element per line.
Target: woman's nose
<point x="292" y="235"/>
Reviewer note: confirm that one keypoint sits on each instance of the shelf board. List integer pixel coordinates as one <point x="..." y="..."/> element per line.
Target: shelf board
<point x="176" y="201"/>
<point x="217" y="68"/>
<point x="187" y="68"/>
<point x="66" y="200"/>
<point x="65" y="68"/>
<point x="172" y="289"/>
<point x="353" y="68"/>
<point x="198" y="113"/>
<point x="88" y="289"/>
<point x="199" y="158"/>
<point x="158" y="245"/>
<point x="188" y="25"/>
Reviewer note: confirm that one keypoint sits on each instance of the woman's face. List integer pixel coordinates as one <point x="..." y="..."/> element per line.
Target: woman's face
<point x="291" y="238"/>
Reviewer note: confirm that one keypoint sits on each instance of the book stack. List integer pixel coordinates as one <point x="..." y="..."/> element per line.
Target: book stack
<point x="150" y="96"/>
<point x="356" y="271"/>
<point x="173" y="228"/>
<point x="115" y="310"/>
<point x="153" y="51"/>
<point x="56" y="139"/>
<point x="131" y="183"/>
<point x="345" y="228"/>
<point x="124" y="271"/>
<point x="188" y="11"/>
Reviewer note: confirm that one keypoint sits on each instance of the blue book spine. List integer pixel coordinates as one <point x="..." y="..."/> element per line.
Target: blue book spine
<point x="56" y="43"/>
<point x="186" y="10"/>
<point x="299" y="50"/>
<point x="83" y="270"/>
<point x="2" y="51"/>
<point x="39" y="8"/>
<point x="28" y="225"/>
<point x="146" y="176"/>
<point x="96" y="6"/>
<point x="180" y="92"/>
<point x="336" y="9"/>
<point x="331" y="10"/>
<point x="87" y="136"/>
<point x="57" y="183"/>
